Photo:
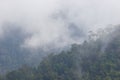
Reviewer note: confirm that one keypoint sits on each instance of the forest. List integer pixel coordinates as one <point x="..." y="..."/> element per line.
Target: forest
<point x="97" y="58"/>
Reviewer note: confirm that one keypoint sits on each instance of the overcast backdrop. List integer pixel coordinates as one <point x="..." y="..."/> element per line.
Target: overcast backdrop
<point x="57" y="22"/>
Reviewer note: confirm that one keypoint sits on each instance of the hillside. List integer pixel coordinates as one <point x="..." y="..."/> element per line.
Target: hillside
<point x="87" y="61"/>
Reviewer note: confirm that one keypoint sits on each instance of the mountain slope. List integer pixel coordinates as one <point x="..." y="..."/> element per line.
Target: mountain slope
<point x="86" y="61"/>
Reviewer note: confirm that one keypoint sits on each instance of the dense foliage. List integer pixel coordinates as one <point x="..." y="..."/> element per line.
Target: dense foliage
<point x="92" y="60"/>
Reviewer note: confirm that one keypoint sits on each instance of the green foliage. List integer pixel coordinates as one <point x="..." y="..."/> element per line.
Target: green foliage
<point x="87" y="61"/>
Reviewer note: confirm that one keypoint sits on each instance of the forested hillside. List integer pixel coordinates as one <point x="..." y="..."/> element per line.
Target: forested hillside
<point x="93" y="60"/>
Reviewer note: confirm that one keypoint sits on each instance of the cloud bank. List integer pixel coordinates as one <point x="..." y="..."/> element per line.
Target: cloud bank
<point x="57" y="23"/>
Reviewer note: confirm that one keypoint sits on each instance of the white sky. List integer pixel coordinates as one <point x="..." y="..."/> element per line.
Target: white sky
<point x="36" y="17"/>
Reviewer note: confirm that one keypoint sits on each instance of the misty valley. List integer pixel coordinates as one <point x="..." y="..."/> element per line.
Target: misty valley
<point x="96" y="58"/>
<point x="59" y="39"/>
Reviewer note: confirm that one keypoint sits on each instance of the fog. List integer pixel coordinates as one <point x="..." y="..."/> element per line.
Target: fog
<point x="56" y="24"/>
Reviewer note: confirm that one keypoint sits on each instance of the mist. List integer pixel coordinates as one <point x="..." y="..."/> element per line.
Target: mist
<point x="30" y="30"/>
<point x="57" y="22"/>
<point x="52" y="26"/>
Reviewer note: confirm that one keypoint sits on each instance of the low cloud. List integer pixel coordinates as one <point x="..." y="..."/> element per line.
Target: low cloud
<point x="58" y="23"/>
